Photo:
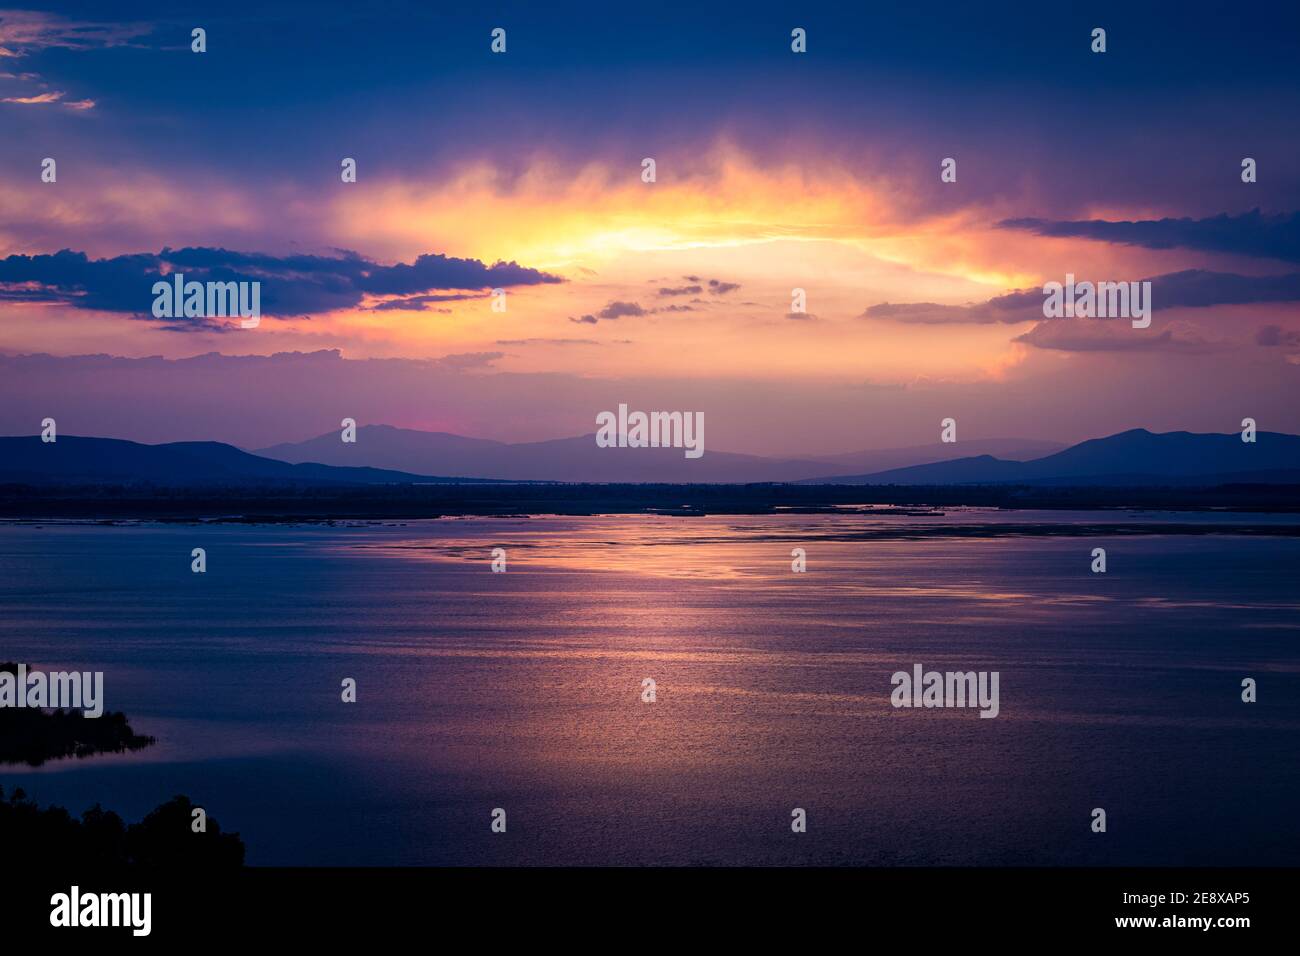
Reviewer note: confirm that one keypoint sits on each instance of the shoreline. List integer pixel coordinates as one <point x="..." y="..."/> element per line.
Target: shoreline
<point x="277" y="504"/>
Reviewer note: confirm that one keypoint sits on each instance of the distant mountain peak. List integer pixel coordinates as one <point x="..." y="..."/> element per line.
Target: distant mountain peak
<point x="1136" y="457"/>
<point x="76" y="459"/>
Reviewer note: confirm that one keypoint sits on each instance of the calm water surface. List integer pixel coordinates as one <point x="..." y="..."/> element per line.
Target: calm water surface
<point x="522" y="690"/>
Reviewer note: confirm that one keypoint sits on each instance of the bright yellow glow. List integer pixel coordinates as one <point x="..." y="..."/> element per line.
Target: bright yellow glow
<point x="849" y="241"/>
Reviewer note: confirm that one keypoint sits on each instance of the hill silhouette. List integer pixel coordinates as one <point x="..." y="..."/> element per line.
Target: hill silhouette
<point x="1131" y="459"/>
<point x="75" y="459"/>
<point x="1134" y="458"/>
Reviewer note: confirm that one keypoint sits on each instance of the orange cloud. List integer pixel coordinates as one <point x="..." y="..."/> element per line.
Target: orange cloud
<point x="52" y="97"/>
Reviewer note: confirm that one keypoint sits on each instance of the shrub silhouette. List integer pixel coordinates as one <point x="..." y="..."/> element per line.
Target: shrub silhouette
<point x="154" y="842"/>
<point x="32" y="735"/>
<point x="164" y="839"/>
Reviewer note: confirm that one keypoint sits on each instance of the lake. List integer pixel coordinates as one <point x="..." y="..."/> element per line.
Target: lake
<point x="523" y="690"/>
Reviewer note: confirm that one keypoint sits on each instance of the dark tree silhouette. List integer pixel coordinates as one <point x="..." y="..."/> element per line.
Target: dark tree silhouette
<point x="153" y="841"/>
<point x="32" y="735"/>
<point x="164" y="839"/>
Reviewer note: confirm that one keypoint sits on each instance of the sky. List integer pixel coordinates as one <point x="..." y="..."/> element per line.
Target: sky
<point x="774" y="171"/>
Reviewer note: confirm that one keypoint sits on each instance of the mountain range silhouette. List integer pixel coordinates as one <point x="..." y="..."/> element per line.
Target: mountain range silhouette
<point x="385" y="455"/>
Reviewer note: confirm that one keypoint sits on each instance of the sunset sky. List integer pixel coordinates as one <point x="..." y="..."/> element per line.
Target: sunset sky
<point x="775" y="171"/>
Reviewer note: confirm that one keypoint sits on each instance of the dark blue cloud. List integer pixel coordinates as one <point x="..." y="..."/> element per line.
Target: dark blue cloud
<point x="291" y="285"/>
<point x="1250" y="234"/>
<point x="697" y="285"/>
<point x="613" y="310"/>
<point x="436" y="271"/>
<point x="421" y="303"/>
